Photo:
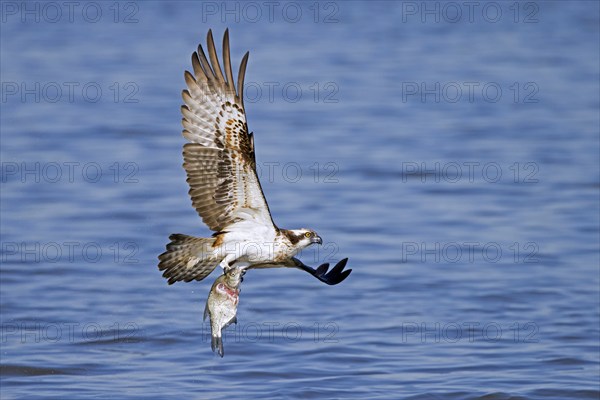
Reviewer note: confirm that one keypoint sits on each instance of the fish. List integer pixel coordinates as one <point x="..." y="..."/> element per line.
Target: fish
<point x="221" y="305"/>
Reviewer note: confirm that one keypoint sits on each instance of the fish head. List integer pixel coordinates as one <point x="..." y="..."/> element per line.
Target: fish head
<point x="232" y="294"/>
<point x="233" y="277"/>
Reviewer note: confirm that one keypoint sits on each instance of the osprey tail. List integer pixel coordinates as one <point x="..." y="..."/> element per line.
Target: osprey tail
<point x="188" y="258"/>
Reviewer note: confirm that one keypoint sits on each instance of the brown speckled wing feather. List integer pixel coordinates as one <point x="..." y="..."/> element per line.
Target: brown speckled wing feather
<point x="219" y="160"/>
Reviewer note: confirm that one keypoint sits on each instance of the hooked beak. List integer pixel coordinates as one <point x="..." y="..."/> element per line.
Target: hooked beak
<point x="316" y="239"/>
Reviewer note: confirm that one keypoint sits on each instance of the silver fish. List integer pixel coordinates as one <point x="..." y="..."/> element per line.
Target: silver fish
<point x="221" y="305"/>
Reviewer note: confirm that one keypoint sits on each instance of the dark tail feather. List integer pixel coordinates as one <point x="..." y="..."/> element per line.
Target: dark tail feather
<point x="188" y="258"/>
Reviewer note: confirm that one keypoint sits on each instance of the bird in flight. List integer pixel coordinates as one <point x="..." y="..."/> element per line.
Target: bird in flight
<point x="220" y="163"/>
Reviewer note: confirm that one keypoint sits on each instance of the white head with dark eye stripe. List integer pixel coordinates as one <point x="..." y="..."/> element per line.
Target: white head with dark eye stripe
<point x="302" y="238"/>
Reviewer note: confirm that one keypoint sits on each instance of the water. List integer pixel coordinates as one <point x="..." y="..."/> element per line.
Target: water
<point x="471" y="224"/>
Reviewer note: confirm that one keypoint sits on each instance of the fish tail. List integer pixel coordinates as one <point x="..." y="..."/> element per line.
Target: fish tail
<point x="216" y="343"/>
<point x="188" y="258"/>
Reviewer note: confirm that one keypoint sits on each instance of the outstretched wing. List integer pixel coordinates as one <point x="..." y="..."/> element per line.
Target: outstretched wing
<point x="333" y="277"/>
<point x="219" y="160"/>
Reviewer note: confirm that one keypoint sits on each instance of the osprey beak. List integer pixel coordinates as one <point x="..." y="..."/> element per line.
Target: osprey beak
<point x="316" y="239"/>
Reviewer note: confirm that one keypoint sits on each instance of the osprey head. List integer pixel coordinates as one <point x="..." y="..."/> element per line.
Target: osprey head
<point x="301" y="238"/>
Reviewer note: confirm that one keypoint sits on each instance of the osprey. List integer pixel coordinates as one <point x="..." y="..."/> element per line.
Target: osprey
<point x="224" y="187"/>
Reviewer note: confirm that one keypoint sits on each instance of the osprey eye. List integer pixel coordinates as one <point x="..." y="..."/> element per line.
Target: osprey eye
<point x="308" y="234"/>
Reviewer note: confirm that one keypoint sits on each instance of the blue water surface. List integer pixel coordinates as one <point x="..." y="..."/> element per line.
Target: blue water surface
<point x="451" y="153"/>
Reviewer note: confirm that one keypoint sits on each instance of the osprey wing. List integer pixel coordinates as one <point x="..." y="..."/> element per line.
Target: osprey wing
<point x="219" y="160"/>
